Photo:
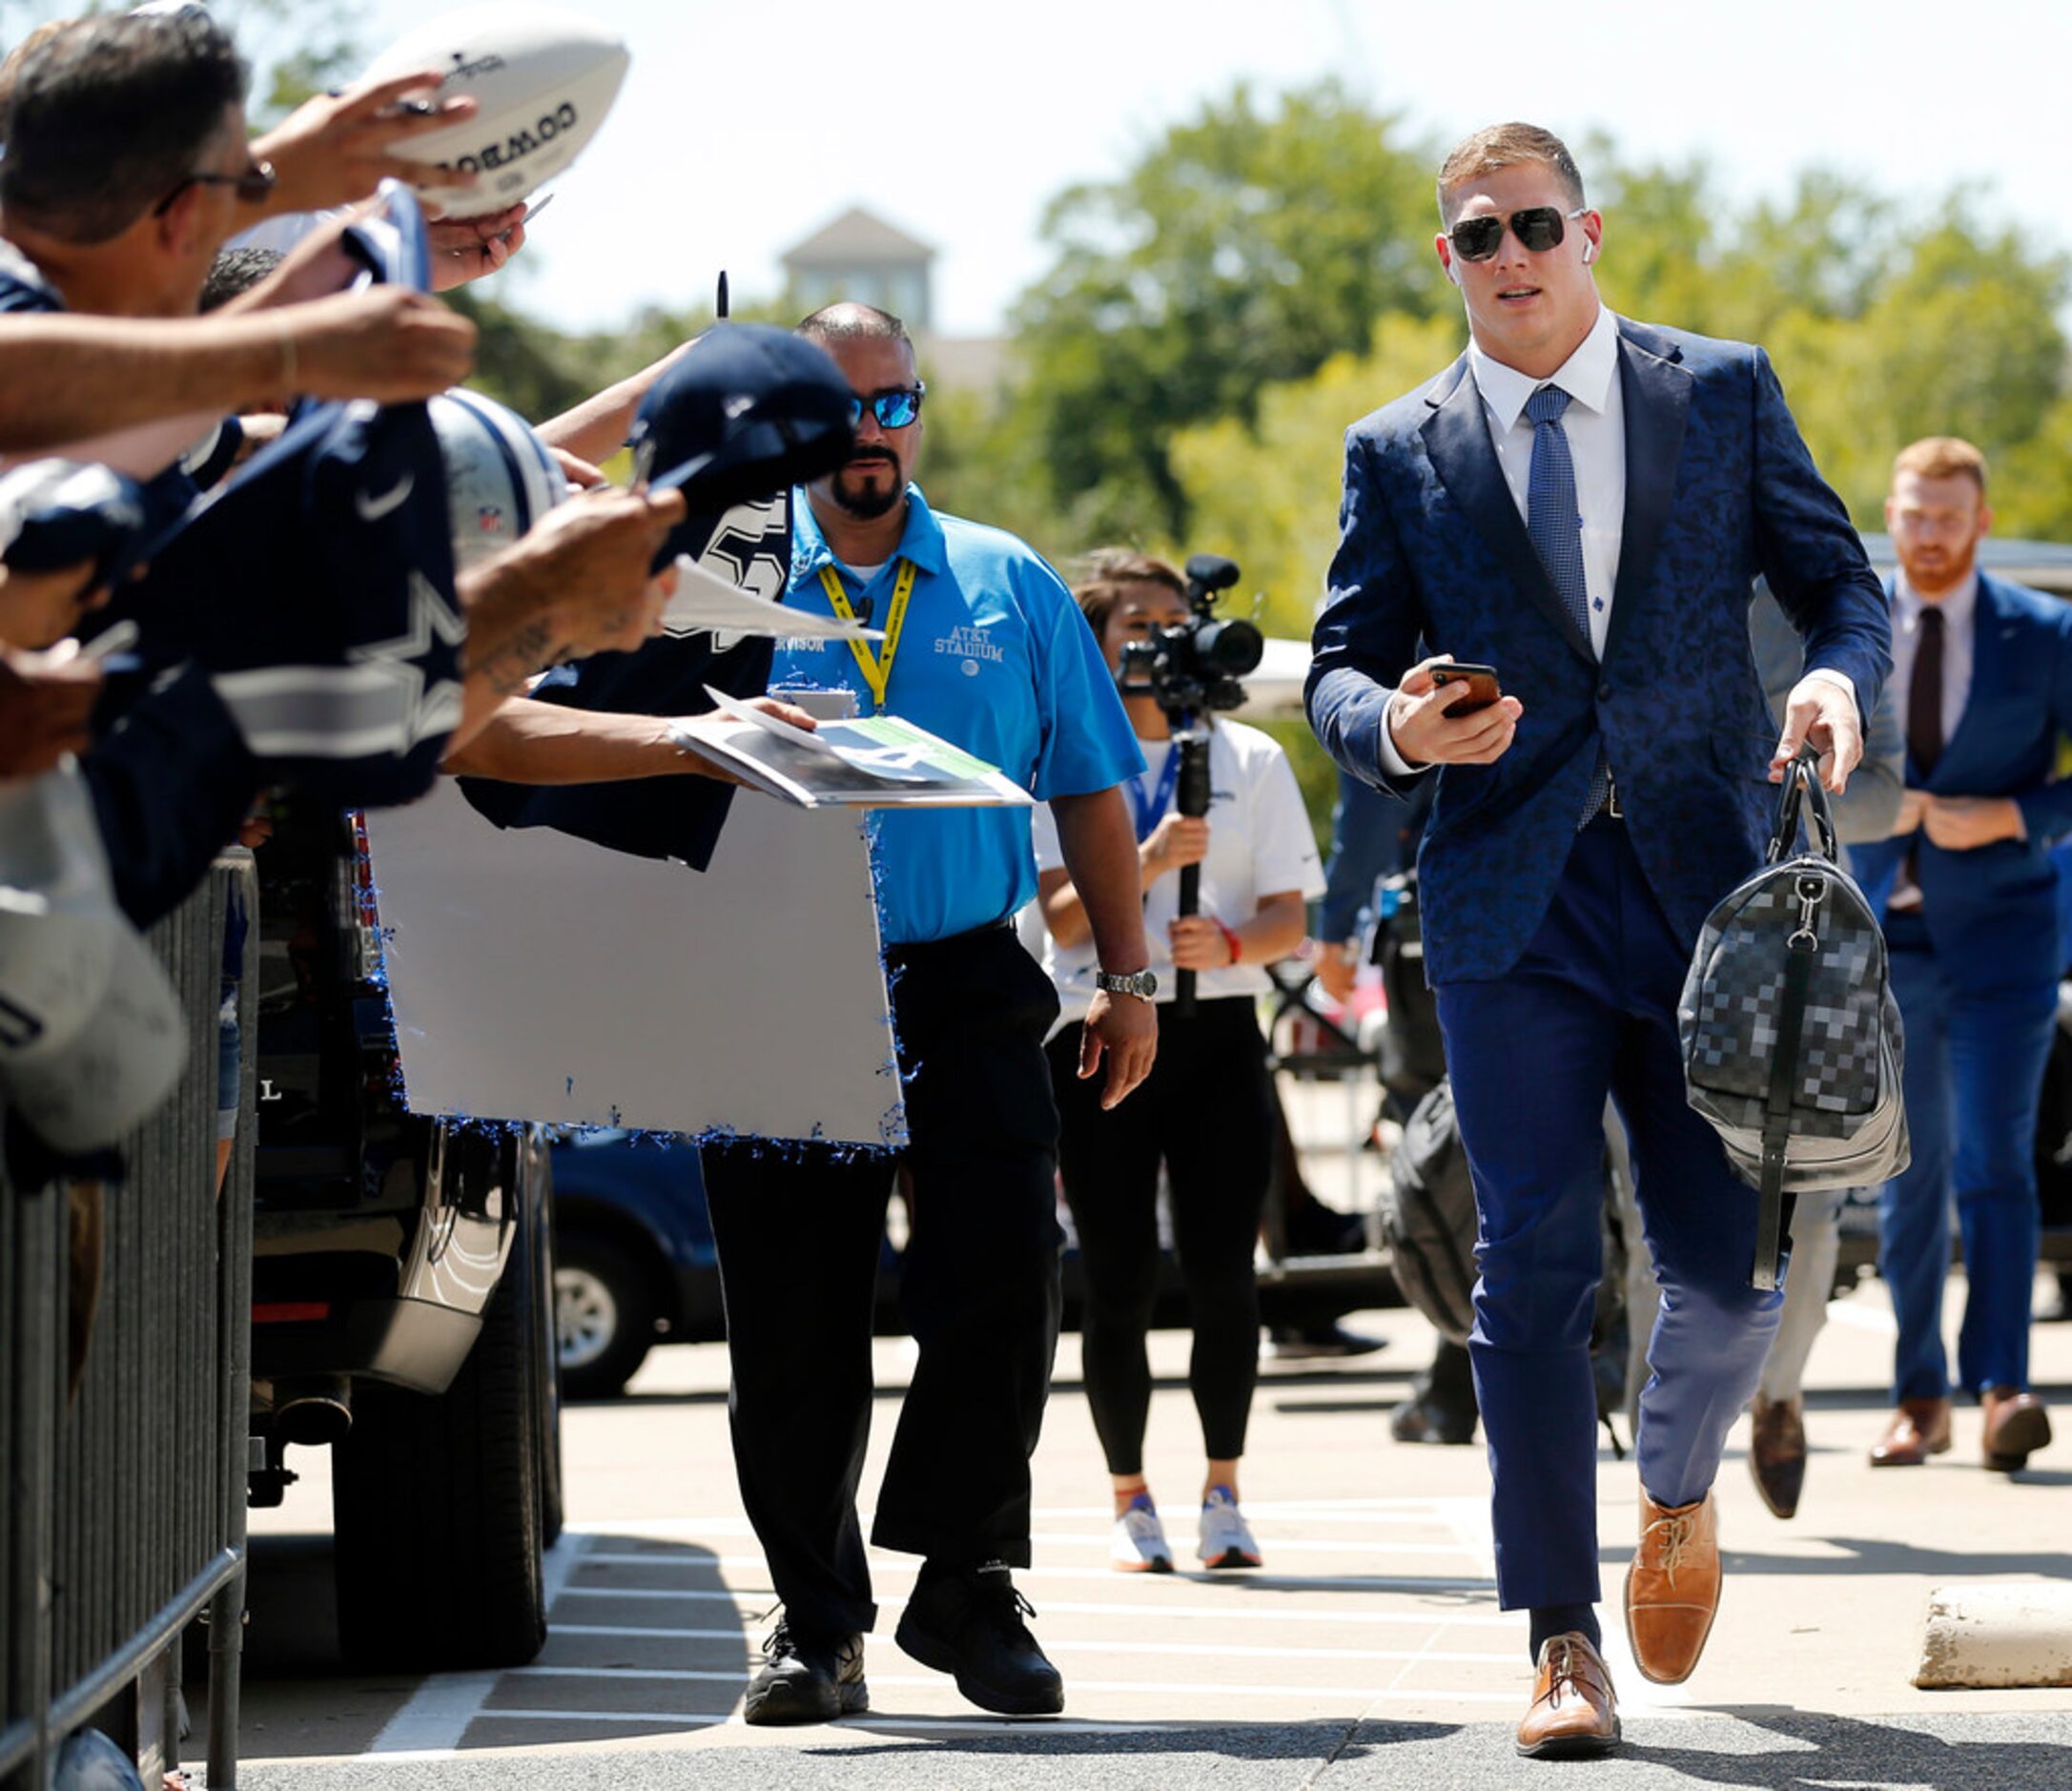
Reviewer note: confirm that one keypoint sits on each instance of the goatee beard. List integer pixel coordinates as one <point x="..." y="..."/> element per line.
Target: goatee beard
<point x="867" y="502"/>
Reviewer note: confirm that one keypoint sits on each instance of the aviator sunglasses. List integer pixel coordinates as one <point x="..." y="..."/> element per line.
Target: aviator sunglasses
<point x="894" y="410"/>
<point x="1537" y="228"/>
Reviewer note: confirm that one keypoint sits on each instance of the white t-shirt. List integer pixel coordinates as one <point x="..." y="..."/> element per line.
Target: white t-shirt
<point x="1260" y="844"/>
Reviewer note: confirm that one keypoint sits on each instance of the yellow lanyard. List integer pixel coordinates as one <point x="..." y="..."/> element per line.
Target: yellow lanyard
<point x="877" y="667"/>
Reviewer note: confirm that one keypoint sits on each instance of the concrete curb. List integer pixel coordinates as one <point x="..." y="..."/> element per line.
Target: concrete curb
<point x="1994" y="1633"/>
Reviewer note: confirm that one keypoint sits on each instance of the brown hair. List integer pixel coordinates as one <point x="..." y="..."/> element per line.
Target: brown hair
<point x="1107" y="572"/>
<point x="1941" y="456"/>
<point x="1505" y="146"/>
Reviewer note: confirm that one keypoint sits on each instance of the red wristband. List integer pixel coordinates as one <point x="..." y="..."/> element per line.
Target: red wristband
<point x="1231" y="940"/>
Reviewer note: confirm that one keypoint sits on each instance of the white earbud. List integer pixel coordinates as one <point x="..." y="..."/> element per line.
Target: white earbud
<point x="1590" y="252"/>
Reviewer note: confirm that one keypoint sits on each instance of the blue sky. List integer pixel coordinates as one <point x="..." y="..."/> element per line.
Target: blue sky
<point x="744" y="126"/>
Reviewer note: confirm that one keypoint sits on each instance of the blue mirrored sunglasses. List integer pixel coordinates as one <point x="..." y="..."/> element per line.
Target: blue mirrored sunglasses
<point x="894" y="410"/>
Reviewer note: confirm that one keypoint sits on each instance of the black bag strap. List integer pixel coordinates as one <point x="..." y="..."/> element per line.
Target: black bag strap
<point x="1802" y="784"/>
<point x="1810" y="889"/>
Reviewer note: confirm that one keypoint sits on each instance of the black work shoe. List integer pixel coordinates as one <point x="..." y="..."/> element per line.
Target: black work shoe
<point x="806" y="1679"/>
<point x="967" y="1623"/>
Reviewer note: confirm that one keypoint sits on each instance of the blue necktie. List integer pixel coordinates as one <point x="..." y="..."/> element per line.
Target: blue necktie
<point x="1555" y="523"/>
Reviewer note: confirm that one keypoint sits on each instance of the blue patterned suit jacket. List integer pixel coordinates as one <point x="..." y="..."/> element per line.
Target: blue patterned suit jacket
<point x="1993" y="910"/>
<point x="1433" y="557"/>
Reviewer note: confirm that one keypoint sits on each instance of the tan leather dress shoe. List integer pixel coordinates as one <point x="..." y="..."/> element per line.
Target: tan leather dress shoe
<point x="1777" y="1452"/>
<point x="1672" y="1588"/>
<point x="2016" y="1427"/>
<point x="1919" y="1429"/>
<point x="1574" y="1711"/>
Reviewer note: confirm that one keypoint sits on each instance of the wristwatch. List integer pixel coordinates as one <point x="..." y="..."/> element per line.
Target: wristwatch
<point x="1141" y="984"/>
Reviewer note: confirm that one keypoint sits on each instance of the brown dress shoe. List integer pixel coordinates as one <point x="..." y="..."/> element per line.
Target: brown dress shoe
<point x="1919" y="1429"/>
<point x="1672" y="1588"/>
<point x="2016" y="1427"/>
<point x="1574" y="1711"/>
<point x="1776" y="1454"/>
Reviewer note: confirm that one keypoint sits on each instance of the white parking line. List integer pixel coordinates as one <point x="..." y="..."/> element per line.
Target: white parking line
<point x="1411" y="1585"/>
<point x="1163" y="1688"/>
<point x="732" y="1720"/>
<point x="439" y="1710"/>
<point x="1090" y="1540"/>
<point x="1404" y="1511"/>
<point x="1378" y="1511"/>
<point x="749" y="1602"/>
<point x="1054" y="1645"/>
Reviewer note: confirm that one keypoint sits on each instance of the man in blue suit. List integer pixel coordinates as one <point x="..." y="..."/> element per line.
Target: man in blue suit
<point x="1583" y="504"/>
<point x="1983" y="674"/>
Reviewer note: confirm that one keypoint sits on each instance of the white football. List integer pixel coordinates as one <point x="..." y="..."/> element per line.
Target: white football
<point x="542" y="80"/>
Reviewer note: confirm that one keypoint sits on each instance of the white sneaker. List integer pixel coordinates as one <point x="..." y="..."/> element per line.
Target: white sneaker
<point x="1226" y="1538"/>
<point x="1138" y="1544"/>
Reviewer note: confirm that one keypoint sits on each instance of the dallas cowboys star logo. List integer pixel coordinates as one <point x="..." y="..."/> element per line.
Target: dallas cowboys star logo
<point x="430" y="709"/>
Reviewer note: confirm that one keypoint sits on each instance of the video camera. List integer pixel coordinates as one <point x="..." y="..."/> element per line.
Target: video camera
<point x="1196" y="665"/>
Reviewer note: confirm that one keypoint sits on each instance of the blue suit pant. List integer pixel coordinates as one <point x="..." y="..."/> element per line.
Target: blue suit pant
<point x="1976" y="1051"/>
<point x="1590" y="1008"/>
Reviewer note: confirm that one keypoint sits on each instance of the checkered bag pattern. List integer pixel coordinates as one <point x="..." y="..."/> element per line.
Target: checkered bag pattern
<point x="1848" y="1119"/>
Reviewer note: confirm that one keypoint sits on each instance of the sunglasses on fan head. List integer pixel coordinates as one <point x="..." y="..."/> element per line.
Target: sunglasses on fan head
<point x="894" y="410"/>
<point x="1538" y="228"/>
<point x="253" y="185"/>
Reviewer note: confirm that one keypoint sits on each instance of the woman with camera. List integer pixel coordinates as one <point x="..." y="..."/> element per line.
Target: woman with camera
<point x="1205" y="1110"/>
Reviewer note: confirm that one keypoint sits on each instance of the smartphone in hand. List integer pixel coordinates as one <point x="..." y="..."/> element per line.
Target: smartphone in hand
<point x="1479" y="684"/>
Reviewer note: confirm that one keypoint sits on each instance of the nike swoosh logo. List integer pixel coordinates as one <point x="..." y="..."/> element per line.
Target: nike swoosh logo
<point x="374" y="509"/>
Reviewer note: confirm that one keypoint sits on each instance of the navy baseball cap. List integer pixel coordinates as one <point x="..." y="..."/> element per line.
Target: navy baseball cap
<point x="744" y="412"/>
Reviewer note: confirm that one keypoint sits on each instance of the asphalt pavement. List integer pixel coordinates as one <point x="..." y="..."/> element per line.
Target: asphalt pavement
<point x="1368" y="1651"/>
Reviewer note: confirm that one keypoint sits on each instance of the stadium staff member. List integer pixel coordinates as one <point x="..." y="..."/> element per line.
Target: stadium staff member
<point x="1984" y="670"/>
<point x="984" y="647"/>
<point x="1583" y="503"/>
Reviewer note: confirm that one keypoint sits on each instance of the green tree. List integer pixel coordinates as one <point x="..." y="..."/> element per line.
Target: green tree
<point x="1960" y="339"/>
<point x="1245" y="247"/>
<point x="2032" y="482"/>
<point x="1266" y="494"/>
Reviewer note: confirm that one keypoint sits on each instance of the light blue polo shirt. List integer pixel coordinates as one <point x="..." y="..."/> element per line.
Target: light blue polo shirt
<point x="996" y="658"/>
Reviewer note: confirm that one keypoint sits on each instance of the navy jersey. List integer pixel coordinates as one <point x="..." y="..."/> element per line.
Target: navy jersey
<point x="316" y="589"/>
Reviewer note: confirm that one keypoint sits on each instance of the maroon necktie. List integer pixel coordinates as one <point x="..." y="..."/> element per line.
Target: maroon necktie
<point x="1925" y="696"/>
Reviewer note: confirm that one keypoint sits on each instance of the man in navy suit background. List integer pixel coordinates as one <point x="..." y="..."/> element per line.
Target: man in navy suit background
<point x="1583" y="504"/>
<point x="1983" y="671"/>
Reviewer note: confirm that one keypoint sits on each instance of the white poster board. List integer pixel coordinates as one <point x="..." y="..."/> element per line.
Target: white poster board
<point x="538" y="976"/>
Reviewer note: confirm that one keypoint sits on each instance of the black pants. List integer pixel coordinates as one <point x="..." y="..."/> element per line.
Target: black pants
<point x="1207" y="1110"/>
<point x="798" y="1231"/>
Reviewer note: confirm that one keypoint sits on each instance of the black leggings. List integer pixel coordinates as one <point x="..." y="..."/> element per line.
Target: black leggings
<point x="1207" y="1110"/>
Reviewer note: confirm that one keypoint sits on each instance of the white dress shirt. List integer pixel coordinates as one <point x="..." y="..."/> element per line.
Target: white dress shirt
<point x="1959" y="610"/>
<point x="1596" y="425"/>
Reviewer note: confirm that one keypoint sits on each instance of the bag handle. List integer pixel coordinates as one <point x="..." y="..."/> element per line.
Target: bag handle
<point x="1802" y="783"/>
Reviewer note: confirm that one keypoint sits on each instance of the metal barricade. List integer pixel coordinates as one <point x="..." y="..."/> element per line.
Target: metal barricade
<point x="125" y="1498"/>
